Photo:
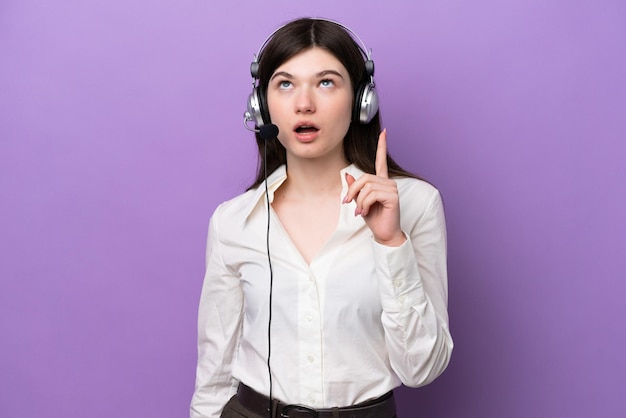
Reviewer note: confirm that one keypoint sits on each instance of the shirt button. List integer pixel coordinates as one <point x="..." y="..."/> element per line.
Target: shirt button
<point x="312" y="399"/>
<point x="309" y="317"/>
<point x="401" y="299"/>
<point x="398" y="283"/>
<point x="311" y="359"/>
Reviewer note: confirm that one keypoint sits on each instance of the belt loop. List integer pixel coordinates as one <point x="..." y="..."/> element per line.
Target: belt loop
<point x="335" y="412"/>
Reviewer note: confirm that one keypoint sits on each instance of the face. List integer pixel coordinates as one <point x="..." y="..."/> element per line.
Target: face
<point x="310" y="100"/>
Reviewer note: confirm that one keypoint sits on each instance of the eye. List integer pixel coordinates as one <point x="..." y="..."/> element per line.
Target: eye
<point x="327" y="83"/>
<point x="284" y="84"/>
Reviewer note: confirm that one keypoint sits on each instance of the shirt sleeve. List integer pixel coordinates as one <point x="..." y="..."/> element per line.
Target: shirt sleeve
<point x="414" y="292"/>
<point x="219" y="330"/>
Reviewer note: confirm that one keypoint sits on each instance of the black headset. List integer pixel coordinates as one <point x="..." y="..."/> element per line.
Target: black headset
<point x="365" y="100"/>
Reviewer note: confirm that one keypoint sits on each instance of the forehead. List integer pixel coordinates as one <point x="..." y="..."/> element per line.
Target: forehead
<point x="311" y="61"/>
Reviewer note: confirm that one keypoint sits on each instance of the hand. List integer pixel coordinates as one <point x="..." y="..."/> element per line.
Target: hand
<point x="377" y="199"/>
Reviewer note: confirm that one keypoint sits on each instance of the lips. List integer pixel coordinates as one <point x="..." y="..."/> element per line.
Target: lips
<point x="305" y="128"/>
<point x="306" y="132"/>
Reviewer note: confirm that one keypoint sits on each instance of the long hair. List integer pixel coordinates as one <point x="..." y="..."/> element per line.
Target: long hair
<point x="361" y="140"/>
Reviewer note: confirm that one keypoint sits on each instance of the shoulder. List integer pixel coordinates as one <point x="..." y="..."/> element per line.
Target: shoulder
<point x="236" y="208"/>
<point x="418" y="199"/>
<point x="228" y="221"/>
<point x="413" y="188"/>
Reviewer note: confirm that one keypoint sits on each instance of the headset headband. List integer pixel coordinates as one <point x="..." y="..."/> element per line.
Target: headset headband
<point x="367" y="53"/>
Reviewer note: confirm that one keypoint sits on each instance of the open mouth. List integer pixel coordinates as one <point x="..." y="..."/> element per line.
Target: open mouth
<point x="306" y="129"/>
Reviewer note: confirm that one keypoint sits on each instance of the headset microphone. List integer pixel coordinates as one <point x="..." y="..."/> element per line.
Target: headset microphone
<point x="269" y="131"/>
<point x="266" y="131"/>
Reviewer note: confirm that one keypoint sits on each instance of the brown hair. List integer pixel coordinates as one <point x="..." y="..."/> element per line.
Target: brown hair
<point x="360" y="142"/>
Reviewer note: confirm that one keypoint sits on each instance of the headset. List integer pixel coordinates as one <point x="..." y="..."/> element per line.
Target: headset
<point x="365" y="99"/>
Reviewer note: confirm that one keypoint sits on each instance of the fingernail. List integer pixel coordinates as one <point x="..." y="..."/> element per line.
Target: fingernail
<point x="345" y="199"/>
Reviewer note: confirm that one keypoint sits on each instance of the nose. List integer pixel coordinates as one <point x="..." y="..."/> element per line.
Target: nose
<point x="305" y="102"/>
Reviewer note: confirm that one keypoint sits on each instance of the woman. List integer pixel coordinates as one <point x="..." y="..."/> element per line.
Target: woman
<point x="335" y="295"/>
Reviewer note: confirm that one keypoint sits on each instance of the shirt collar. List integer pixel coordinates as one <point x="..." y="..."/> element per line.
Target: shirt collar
<point x="278" y="176"/>
<point x="274" y="180"/>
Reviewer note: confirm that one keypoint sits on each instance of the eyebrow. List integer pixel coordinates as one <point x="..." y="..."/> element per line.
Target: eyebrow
<point x="320" y="74"/>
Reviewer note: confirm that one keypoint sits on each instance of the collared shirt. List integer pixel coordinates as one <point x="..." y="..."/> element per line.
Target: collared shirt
<point x="356" y="322"/>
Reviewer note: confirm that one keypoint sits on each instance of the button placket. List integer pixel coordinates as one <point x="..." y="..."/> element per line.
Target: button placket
<point x="310" y="337"/>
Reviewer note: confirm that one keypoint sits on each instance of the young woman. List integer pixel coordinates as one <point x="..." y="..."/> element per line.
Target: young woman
<point x="328" y="289"/>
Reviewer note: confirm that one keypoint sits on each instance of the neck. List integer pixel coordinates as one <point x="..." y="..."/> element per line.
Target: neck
<point x="314" y="178"/>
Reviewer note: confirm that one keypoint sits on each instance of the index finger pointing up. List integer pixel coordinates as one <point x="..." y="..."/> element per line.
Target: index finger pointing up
<point x="381" y="155"/>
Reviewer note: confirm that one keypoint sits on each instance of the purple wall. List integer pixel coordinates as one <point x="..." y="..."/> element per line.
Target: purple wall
<point x="120" y="131"/>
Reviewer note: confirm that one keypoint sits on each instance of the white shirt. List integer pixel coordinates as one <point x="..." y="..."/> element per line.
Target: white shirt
<point x="358" y="321"/>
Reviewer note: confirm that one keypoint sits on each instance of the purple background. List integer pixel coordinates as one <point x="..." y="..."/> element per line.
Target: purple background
<point x="121" y="130"/>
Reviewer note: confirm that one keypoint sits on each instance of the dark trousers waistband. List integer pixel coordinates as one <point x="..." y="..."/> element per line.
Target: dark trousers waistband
<point x="383" y="407"/>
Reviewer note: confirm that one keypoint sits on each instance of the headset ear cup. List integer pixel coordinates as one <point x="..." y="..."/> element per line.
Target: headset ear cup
<point x="365" y="103"/>
<point x="254" y="112"/>
<point x="358" y="98"/>
<point x="256" y="108"/>
<point x="264" y="111"/>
